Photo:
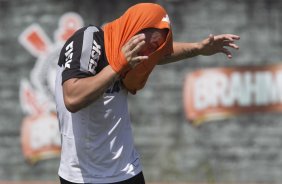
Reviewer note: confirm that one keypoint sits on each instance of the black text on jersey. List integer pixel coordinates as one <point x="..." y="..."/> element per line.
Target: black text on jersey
<point x="68" y="54"/>
<point x="94" y="58"/>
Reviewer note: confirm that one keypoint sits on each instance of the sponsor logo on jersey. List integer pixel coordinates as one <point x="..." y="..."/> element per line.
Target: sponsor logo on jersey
<point x="94" y="58"/>
<point x="223" y="92"/>
<point x="68" y="54"/>
<point x="40" y="136"/>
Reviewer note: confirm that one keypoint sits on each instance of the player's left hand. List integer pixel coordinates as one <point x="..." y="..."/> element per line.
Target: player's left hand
<point x="218" y="44"/>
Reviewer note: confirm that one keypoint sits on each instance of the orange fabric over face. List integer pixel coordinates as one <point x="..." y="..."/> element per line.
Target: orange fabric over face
<point x="119" y="31"/>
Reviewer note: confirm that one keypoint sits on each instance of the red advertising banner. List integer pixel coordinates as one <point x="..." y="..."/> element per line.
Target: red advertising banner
<point x="217" y="93"/>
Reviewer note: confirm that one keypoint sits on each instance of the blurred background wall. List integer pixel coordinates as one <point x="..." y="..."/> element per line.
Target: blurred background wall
<point x="245" y="148"/>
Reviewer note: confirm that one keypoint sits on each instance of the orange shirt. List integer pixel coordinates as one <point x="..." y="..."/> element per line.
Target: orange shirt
<point x="119" y="31"/>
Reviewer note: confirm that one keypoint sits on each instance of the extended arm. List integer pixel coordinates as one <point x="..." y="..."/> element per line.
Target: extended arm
<point x="207" y="47"/>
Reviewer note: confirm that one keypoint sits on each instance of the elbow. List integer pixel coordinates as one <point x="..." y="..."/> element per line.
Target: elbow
<point x="72" y="109"/>
<point x="72" y="105"/>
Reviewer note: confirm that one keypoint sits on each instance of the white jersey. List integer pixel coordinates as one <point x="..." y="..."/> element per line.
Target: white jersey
<point x="97" y="141"/>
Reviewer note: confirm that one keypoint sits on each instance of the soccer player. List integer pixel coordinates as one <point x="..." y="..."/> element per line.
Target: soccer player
<point x="97" y="68"/>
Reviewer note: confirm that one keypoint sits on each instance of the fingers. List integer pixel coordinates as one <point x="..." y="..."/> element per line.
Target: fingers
<point x="132" y="47"/>
<point x="227" y="40"/>
<point x="137" y="48"/>
<point x="226" y="37"/>
<point x="135" y="40"/>
<point x="136" y="60"/>
<point x="234" y="37"/>
<point x="226" y="52"/>
<point x="231" y="44"/>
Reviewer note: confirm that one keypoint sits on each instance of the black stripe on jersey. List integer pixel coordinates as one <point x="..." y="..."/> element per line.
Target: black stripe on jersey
<point x="75" y="37"/>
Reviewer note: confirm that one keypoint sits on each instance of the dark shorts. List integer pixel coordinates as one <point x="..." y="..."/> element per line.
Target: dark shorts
<point x="138" y="179"/>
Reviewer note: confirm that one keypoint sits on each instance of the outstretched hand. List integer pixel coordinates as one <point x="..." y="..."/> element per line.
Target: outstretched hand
<point x="218" y="44"/>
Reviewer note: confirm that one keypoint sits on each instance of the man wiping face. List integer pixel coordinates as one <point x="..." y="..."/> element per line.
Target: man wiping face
<point x="154" y="38"/>
<point x="147" y="18"/>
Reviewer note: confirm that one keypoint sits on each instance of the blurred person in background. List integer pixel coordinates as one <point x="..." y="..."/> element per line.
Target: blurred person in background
<point x="96" y="70"/>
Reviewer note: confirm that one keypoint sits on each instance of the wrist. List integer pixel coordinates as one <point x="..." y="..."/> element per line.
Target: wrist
<point x="198" y="48"/>
<point x="113" y="74"/>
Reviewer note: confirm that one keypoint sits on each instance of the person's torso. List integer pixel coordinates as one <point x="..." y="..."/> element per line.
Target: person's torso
<point x="97" y="141"/>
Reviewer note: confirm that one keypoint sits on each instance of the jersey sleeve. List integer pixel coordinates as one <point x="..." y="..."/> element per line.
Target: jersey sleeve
<point x="81" y="54"/>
